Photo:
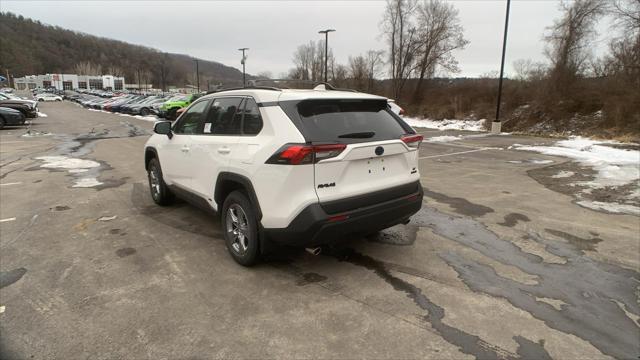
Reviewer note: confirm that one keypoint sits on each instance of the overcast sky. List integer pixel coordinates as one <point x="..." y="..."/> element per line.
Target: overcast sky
<point x="214" y="30"/>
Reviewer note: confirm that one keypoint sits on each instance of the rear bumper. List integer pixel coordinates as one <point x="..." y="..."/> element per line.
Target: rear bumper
<point x="314" y="226"/>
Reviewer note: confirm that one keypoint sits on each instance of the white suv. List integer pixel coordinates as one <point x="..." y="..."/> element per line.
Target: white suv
<point x="295" y="167"/>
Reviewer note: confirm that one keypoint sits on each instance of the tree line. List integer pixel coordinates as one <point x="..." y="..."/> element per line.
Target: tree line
<point x="422" y="36"/>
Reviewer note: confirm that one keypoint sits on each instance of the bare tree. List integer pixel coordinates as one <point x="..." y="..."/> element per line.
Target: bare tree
<point x="569" y="37"/>
<point x="87" y="68"/>
<point x="624" y="57"/>
<point x="399" y="29"/>
<point x="309" y="61"/>
<point x="375" y="62"/>
<point x="439" y="33"/>
<point x="358" y="71"/>
<point x="529" y="70"/>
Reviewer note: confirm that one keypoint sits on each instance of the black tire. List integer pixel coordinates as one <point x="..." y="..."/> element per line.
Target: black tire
<point x="2" y="123"/>
<point x="244" y="248"/>
<point x="160" y="193"/>
<point x="144" y="111"/>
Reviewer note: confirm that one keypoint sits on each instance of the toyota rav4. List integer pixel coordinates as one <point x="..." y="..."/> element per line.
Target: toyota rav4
<point x="294" y="167"/>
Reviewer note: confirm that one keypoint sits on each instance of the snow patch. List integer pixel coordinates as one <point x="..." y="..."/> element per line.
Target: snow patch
<point x="73" y="166"/>
<point x="445" y="138"/>
<point x="447" y="124"/>
<point x="615" y="208"/>
<point x="67" y="163"/>
<point x="40" y="114"/>
<point x="563" y="174"/>
<point x="86" y="182"/>
<point x="615" y="167"/>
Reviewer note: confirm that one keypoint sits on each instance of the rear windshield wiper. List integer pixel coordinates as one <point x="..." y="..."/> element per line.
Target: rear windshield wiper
<point x="358" y="135"/>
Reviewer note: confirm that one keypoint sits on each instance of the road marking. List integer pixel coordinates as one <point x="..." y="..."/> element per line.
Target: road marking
<point x="13" y="183"/>
<point x="455" y="153"/>
<point x="8" y="219"/>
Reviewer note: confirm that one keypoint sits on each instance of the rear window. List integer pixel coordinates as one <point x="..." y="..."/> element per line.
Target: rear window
<point x="348" y="121"/>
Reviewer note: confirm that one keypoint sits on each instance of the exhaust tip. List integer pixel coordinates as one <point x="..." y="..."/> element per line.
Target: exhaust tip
<point x="315" y="251"/>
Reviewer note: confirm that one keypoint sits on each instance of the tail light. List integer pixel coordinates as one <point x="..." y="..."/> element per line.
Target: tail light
<point x="300" y="154"/>
<point x="412" y="141"/>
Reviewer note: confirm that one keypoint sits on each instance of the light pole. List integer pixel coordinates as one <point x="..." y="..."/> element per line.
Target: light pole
<point x="197" y="75"/>
<point x="243" y="62"/>
<point x="496" y="127"/>
<point x="326" y="50"/>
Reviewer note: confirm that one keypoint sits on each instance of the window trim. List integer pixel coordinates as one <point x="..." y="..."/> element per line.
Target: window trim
<point x="242" y="97"/>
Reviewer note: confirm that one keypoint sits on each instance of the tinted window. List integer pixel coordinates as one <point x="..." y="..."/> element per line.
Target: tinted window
<point x="221" y="119"/>
<point x="348" y="121"/>
<point x="252" y="120"/>
<point x="191" y="119"/>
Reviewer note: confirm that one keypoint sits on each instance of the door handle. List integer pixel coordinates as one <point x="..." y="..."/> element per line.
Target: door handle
<point x="224" y="150"/>
<point x="185" y="149"/>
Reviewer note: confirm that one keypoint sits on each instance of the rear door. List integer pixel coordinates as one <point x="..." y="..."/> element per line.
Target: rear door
<point x="215" y="144"/>
<point x="375" y="158"/>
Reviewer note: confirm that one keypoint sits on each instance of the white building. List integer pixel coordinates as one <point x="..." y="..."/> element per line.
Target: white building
<point x="70" y="82"/>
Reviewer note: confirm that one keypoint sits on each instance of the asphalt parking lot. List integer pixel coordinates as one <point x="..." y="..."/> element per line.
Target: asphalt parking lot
<point x="498" y="263"/>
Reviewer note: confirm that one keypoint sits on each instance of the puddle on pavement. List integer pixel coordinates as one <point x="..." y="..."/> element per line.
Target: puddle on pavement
<point x="124" y="252"/>
<point x="511" y="219"/>
<point x="9" y="277"/>
<point x="596" y="297"/>
<point x="589" y="288"/>
<point x="578" y="242"/>
<point x="459" y="205"/>
<point x="467" y="343"/>
<point x="86" y="172"/>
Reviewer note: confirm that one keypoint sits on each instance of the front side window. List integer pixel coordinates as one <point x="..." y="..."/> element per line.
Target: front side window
<point x="221" y="119"/>
<point x="192" y="118"/>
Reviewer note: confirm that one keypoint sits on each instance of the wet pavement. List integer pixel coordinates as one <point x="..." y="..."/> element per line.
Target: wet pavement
<point x="501" y="263"/>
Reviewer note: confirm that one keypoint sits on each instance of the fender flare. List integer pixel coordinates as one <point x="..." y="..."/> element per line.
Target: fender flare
<point x="148" y="150"/>
<point x="244" y="182"/>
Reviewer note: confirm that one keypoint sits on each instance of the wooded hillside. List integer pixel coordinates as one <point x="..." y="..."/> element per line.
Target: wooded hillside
<point x="29" y="47"/>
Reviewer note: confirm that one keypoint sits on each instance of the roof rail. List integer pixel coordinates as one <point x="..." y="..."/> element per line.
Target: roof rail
<point x="244" y="88"/>
<point x="327" y="86"/>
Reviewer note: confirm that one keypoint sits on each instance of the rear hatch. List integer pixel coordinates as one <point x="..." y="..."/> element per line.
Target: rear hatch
<point x="365" y="153"/>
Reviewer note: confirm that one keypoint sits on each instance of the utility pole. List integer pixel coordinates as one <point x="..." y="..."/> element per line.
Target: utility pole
<point x="243" y="62"/>
<point x="197" y="75"/>
<point x="496" y="126"/>
<point x="326" y="50"/>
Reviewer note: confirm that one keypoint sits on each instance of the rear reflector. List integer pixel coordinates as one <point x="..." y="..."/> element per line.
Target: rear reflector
<point x="412" y="141"/>
<point x="338" y="218"/>
<point x="300" y="154"/>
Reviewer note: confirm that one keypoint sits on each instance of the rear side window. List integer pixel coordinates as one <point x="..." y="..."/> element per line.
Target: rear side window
<point x="222" y="119"/>
<point x="252" y="123"/>
<point x="348" y="121"/>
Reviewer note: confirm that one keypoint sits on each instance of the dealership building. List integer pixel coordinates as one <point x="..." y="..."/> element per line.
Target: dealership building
<point x="69" y="82"/>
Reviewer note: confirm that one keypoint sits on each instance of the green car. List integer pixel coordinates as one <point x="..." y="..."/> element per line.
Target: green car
<point x="170" y="107"/>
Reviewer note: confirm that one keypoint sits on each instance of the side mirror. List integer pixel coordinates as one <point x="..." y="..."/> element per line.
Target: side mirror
<point x="163" y="128"/>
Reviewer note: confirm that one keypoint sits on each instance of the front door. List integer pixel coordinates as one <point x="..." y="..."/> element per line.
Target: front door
<point x="178" y="164"/>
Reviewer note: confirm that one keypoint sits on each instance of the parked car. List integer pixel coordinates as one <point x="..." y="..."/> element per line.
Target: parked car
<point x="48" y="97"/>
<point x="169" y="108"/>
<point x="28" y="108"/>
<point x="302" y="168"/>
<point x="145" y="108"/>
<point x="10" y="116"/>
